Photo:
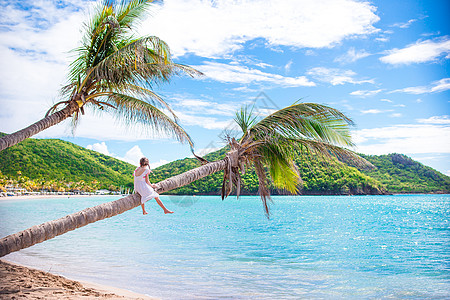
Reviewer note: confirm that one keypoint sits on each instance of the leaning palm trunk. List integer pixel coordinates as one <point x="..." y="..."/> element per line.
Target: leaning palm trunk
<point x="270" y="142"/>
<point x="48" y="230"/>
<point x="53" y="119"/>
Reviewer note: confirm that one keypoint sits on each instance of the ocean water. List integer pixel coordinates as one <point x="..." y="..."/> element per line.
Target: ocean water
<point x="321" y="247"/>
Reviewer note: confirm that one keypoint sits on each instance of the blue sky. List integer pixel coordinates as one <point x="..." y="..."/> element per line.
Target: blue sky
<point x="384" y="63"/>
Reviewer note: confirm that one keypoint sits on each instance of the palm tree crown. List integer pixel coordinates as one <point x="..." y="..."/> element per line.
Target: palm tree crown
<point x="271" y="143"/>
<point x="115" y="71"/>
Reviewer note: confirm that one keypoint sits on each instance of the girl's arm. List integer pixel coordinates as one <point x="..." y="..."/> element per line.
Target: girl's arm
<point x="148" y="181"/>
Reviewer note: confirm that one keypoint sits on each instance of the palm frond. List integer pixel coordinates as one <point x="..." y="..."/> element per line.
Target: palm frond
<point x="130" y="12"/>
<point x="263" y="186"/>
<point x="135" y="91"/>
<point x="274" y="142"/>
<point x="280" y="161"/>
<point x="134" y="111"/>
<point x="245" y="119"/>
<point x="146" y="59"/>
<point x="307" y="120"/>
<point x="184" y="69"/>
<point x="101" y="34"/>
<point x="54" y="108"/>
<point x="98" y="38"/>
<point x="327" y="151"/>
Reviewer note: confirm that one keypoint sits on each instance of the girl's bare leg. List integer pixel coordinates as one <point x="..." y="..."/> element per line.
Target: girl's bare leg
<point x="166" y="211"/>
<point x="143" y="209"/>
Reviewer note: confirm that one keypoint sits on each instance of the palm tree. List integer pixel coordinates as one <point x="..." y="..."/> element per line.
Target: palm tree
<point x="268" y="144"/>
<point x="114" y="72"/>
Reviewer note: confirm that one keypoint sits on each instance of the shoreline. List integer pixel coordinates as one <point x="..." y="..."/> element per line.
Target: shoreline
<point x="19" y="281"/>
<point x="23" y="197"/>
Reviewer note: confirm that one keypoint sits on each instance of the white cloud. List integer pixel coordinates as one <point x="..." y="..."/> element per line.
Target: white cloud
<point x="133" y="155"/>
<point x="263" y="65"/>
<point x="435" y="87"/>
<point x="44" y="31"/>
<point x="405" y="24"/>
<point x="287" y="67"/>
<point x="241" y="74"/>
<point x="367" y="93"/>
<point x="99" y="147"/>
<point x="386" y="100"/>
<point x="382" y="39"/>
<point x="335" y="76"/>
<point x="352" y="55"/>
<point x="245" y="89"/>
<point x="192" y="105"/>
<point x="34" y="47"/>
<point x="443" y="120"/>
<point x="218" y="28"/>
<point x="408" y="139"/>
<point x="372" y="111"/>
<point x="204" y="113"/>
<point x="204" y="122"/>
<point x="396" y="115"/>
<point x="420" y="52"/>
<point x="154" y="165"/>
<point x="440" y="85"/>
<point x="413" y="90"/>
<point x="204" y="151"/>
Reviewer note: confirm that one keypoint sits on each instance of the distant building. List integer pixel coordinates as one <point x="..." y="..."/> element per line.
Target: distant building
<point x="77" y="192"/>
<point x="103" y="192"/>
<point x="14" y="190"/>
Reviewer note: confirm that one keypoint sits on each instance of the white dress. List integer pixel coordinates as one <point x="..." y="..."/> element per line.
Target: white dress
<point x="142" y="188"/>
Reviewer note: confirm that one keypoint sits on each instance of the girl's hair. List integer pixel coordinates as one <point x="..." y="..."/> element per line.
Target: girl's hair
<point x="144" y="161"/>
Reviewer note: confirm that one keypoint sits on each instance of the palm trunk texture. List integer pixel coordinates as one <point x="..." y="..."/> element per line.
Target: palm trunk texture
<point x="48" y="230"/>
<point x="53" y="119"/>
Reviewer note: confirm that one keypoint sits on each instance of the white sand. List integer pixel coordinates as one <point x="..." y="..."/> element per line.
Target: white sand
<point x="20" y="282"/>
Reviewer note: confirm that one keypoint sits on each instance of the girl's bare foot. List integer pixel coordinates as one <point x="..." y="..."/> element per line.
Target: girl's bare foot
<point x="168" y="212"/>
<point x="145" y="213"/>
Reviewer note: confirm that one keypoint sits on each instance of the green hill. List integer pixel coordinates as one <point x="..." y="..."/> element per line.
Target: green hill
<point x="319" y="177"/>
<point x="58" y="165"/>
<point x="401" y="174"/>
<point x="394" y="173"/>
<point x="55" y="164"/>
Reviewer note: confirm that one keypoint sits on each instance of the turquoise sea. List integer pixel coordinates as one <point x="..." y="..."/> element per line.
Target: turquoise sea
<point x="320" y="247"/>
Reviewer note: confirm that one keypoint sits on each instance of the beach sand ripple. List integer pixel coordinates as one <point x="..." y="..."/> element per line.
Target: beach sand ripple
<point x="18" y="282"/>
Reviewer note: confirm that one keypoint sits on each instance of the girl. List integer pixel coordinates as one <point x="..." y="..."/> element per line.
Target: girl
<point x="143" y="186"/>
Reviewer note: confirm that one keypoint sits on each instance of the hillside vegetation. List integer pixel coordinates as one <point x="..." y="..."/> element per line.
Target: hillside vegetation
<point x="401" y="174"/>
<point x="60" y="166"/>
<point x="319" y="177"/>
<point x="394" y="173"/>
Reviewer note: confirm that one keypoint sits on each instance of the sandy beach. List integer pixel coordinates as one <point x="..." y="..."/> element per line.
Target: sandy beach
<point x="19" y="282"/>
